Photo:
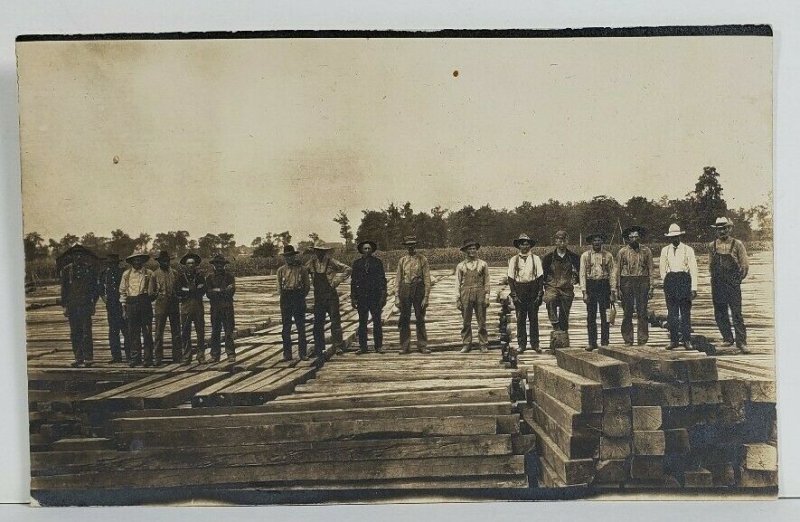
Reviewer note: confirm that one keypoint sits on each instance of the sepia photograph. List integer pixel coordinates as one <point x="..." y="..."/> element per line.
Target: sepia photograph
<point x="301" y="267"/>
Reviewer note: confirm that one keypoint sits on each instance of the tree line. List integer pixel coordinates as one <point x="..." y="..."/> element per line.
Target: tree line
<point x="442" y="227"/>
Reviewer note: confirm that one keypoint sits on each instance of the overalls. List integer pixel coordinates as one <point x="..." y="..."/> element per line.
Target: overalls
<point x="726" y="292"/>
<point x="473" y="298"/>
<point x="326" y="301"/>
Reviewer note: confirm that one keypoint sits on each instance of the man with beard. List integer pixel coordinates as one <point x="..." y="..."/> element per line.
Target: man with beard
<point x="368" y="294"/>
<point x="728" y="266"/>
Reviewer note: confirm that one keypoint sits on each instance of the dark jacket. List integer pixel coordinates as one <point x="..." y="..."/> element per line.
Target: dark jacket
<point x="109" y="284"/>
<point x="368" y="280"/>
<point x="556" y="268"/>
<point x="222" y="282"/>
<point x="80" y="287"/>
<point x="188" y="287"/>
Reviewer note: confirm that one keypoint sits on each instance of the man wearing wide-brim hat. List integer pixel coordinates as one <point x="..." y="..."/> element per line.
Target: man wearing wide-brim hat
<point x="220" y="288"/>
<point x="595" y="274"/>
<point x="294" y="283"/>
<point x="412" y="290"/>
<point x="190" y="288"/>
<point x="368" y="294"/>
<point x="327" y="274"/>
<point x="166" y="308"/>
<point x="79" y="294"/>
<point x="678" y="268"/>
<point x="134" y="294"/>
<point x="525" y="283"/>
<point x="634" y="280"/>
<point x="110" y="278"/>
<point x="728" y="266"/>
<point x="560" y="277"/>
<point x="472" y="295"/>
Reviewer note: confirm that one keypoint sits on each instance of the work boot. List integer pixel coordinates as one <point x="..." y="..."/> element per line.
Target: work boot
<point x="147" y="364"/>
<point x="465" y="349"/>
<point x="88" y="364"/>
<point x="536" y="348"/>
<point x="116" y="359"/>
<point x="133" y="363"/>
<point x="642" y="343"/>
<point x="187" y="361"/>
<point x="287" y="358"/>
<point x="628" y="343"/>
<point x="688" y="345"/>
<point x="484" y="348"/>
<point x="379" y="349"/>
<point x="743" y="348"/>
<point x="304" y="357"/>
<point x="76" y="364"/>
<point x="157" y="363"/>
<point x="425" y="350"/>
<point x="361" y="351"/>
<point x="591" y="347"/>
<point x="672" y="346"/>
<point x="232" y="358"/>
<point x="727" y="343"/>
<point x="215" y="358"/>
<point x="201" y="358"/>
<point x="521" y="349"/>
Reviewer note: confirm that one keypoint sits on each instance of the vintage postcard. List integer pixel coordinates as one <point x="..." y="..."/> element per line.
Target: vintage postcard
<point x="303" y="267"/>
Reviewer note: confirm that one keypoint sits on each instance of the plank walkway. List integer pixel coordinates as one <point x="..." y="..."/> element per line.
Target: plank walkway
<point x="378" y="421"/>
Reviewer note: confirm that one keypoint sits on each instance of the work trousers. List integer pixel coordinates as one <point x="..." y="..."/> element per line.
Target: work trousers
<point x="410" y="297"/>
<point x="474" y="301"/>
<point x="598" y="298"/>
<point x="117" y="328"/>
<point x="293" y="309"/>
<point x="140" y="327"/>
<point x="370" y="307"/>
<point x="327" y="304"/>
<point x="222" y="319"/>
<point x="192" y="313"/>
<point x="634" y="294"/>
<point x="678" y="294"/>
<point x="80" y="333"/>
<point x="739" y="334"/>
<point x="527" y="310"/>
<point x="168" y="311"/>
<point x="559" y="303"/>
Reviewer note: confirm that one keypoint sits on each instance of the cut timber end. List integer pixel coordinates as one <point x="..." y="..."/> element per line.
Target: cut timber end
<point x="609" y="372"/>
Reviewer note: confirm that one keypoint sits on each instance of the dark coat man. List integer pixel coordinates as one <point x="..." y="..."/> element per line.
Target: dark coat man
<point x="137" y="306"/>
<point x="190" y="289"/>
<point x="220" y="287"/>
<point x="294" y="284"/>
<point x="162" y="290"/>
<point x="79" y="294"/>
<point x="110" y="278"/>
<point x="560" y="276"/>
<point x="368" y="294"/>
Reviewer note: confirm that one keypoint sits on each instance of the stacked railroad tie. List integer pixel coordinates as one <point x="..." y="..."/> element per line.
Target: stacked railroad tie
<point x="646" y="418"/>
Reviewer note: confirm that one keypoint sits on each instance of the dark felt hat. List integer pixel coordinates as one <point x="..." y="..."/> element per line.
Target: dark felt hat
<point x="219" y="259"/>
<point x="591" y="237"/>
<point x="410" y="240"/>
<point x="369" y="242"/>
<point x="289" y="250"/>
<point x="635" y="228"/>
<point x="163" y="256"/>
<point x="78" y="250"/>
<point x="468" y="243"/>
<point x="191" y="255"/>
<point x="524" y="237"/>
<point x="112" y="258"/>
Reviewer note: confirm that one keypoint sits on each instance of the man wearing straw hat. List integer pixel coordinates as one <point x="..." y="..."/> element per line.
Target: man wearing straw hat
<point x="162" y="290"/>
<point x="110" y="279"/>
<point x="294" y="284"/>
<point x="327" y="274"/>
<point x="79" y="294"/>
<point x="220" y="288"/>
<point x="412" y="290"/>
<point x="678" y="268"/>
<point x="134" y="294"/>
<point x="728" y="266"/>
<point x="596" y="272"/>
<point x="634" y="279"/>
<point x="368" y="294"/>
<point x="525" y="283"/>
<point x="472" y="280"/>
<point x="190" y="289"/>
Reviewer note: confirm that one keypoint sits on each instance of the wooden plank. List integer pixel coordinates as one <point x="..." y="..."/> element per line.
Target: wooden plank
<point x="575" y="391"/>
<point x="205" y="398"/>
<point x="647" y="467"/>
<point x="570" y="471"/>
<point x="616" y="424"/>
<point x="614" y="448"/>
<point x="646" y="418"/>
<point x="651" y="393"/>
<point x="574" y="444"/>
<point x="609" y="372"/>
<point x="705" y="393"/>
<point x="313" y="431"/>
<point x="760" y="457"/>
<point x="322" y="472"/>
<point x="566" y="417"/>
<point x="698" y="478"/>
<point x="649" y="443"/>
<point x="749" y="478"/>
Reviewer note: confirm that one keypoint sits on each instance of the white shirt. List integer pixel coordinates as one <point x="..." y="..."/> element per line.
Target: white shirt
<point x="680" y="259"/>
<point x="524" y="269"/>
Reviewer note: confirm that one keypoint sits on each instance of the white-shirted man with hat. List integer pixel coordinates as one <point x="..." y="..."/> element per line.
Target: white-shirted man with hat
<point x="137" y="307"/>
<point x="525" y="282"/>
<point x="678" y="268"/>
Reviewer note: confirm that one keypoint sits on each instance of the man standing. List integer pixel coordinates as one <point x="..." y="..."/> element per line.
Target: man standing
<point x="162" y="290"/>
<point x="412" y="289"/>
<point x="560" y="276"/>
<point x="596" y="271"/>
<point x="220" y="287"/>
<point x="368" y="294"/>
<point x="110" y="279"/>
<point x="294" y="284"/>
<point x="633" y="280"/>
<point x="79" y="294"/>
<point x="134" y="294"/>
<point x="525" y="282"/>
<point x="190" y="289"/>
<point x="728" y="266"/>
<point x="472" y="276"/>
<point x="328" y="273"/>
<point x="679" y="271"/>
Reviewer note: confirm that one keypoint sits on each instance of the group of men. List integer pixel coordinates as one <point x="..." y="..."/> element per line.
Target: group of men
<point x="628" y="278"/>
<point x="136" y="297"/>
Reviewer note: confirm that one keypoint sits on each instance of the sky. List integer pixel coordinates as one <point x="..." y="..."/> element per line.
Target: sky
<point x="255" y="136"/>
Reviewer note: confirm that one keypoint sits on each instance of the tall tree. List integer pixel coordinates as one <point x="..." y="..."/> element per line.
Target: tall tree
<point x="208" y="245"/>
<point x="35" y="246"/>
<point x="345" y="230"/>
<point x="175" y="242"/>
<point x="121" y="243"/>
<point x="707" y="204"/>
